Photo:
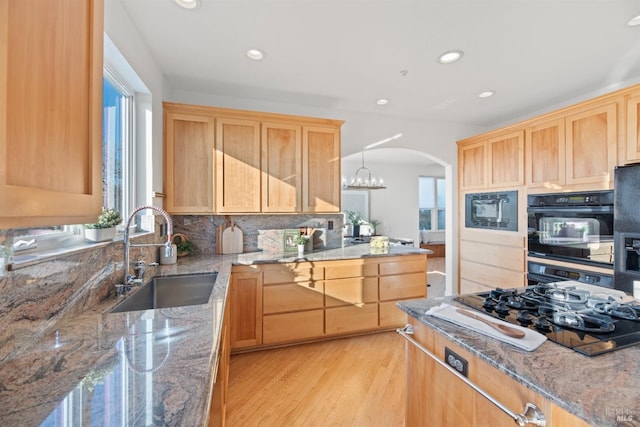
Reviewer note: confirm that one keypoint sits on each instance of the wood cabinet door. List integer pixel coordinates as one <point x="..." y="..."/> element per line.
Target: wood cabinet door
<point x="545" y="155"/>
<point x="237" y="165"/>
<point x="321" y="169"/>
<point x="472" y="165"/>
<point x="506" y="160"/>
<point x="245" y="296"/>
<point x="281" y="168"/>
<point x="50" y="112"/>
<point x="434" y="397"/>
<point x="591" y="146"/>
<point x="632" y="148"/>
<point x="189" y="159"/>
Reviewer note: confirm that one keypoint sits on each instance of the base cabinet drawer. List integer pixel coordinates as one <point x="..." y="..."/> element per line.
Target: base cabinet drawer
<point x="289" y="327"/>
<point x="292" y="297"/>
<point x="391" y="316"/>
<point x="286" y="273"/>
<point x="340" y="320"/>
<point x="351" y="268"/>
<point x="404" y="264"/>
<point x="405" y="286"/>
<point x="357" y="290"/>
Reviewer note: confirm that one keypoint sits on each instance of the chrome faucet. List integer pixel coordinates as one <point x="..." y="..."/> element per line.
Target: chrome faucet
<point x="141" y="266"/>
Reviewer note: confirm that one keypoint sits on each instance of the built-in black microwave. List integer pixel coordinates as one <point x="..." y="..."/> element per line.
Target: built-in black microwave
<point x="496" y="211"/>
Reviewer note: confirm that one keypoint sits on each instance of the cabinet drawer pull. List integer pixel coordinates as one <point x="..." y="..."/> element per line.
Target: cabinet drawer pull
<point x="531" y="415"/>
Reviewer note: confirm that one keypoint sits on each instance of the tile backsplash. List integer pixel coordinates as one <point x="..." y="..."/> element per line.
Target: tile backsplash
<point x="260" y="232"/>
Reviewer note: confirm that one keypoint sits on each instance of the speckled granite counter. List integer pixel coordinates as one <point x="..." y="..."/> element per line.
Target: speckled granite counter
<point x="345" y="252"/>
<point x="153" y="367"/>
<point x="596" y="389"/>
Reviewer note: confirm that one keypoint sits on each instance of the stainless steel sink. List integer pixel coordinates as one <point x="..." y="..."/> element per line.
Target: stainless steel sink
<point x="170" y="291"/>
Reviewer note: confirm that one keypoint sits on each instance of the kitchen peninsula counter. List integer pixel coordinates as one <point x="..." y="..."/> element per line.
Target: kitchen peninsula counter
<point x="601" y="390"/>
<point x="152" y="367"/>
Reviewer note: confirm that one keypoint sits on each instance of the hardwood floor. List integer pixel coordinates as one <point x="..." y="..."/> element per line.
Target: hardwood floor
<point x="345" y="382"/>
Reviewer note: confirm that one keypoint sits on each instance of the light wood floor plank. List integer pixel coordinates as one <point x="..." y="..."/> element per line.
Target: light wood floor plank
<point x="346" y="382"/>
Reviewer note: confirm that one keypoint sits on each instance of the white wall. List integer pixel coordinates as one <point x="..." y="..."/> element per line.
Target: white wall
<point x="125" y="37"/>
<point x="397" y="205"/>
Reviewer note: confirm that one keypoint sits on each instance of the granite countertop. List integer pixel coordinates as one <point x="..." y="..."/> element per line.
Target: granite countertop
<point x="345" y="252"/>
<point x="596" y="389"/>
<point x="151" y="367"/>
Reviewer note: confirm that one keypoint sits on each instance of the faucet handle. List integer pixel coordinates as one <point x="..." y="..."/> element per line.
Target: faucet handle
<point x="122" y="289"/>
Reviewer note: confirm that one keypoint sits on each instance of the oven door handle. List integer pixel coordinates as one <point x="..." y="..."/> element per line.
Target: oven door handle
<point x="531" y="413"/>
<point x="570" y="209"/>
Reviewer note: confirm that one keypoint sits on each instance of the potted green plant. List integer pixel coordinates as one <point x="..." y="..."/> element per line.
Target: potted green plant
<point x="374" y="225"/>
<point x="185" y="247"/>
<point x="105" y="228"/>
<point x="301" y="240"/>
<point x="355" y="219"/>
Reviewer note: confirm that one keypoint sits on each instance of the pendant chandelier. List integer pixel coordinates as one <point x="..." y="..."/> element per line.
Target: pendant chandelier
<point x="362" y="180"/>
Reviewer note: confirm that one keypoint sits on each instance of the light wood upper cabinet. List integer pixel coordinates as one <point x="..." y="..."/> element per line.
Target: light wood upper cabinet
<point x="281" y="167"/>
<point x="472" y="165"/>
<point x="189" y="160"/>
<point x="321" y="169"/>
<point x="632" y="148"/>
<point x="237" y="165"/>
<point x="264" y="162"/>
<point x="591" y="138"/>
<point x="545" y="154"/>
<point x="50" y="112"/>
<point x="506" y="160"/>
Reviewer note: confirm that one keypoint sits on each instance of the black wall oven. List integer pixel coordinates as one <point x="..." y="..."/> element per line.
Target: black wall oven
<point x="574" y="227"/>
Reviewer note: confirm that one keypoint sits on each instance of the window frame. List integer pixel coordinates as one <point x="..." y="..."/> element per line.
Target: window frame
<point x="435" y="209"/>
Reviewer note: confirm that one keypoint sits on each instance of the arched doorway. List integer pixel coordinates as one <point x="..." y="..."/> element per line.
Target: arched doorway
<point x="396" y="207"/>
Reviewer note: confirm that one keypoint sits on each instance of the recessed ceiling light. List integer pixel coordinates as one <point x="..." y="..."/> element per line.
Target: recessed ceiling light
<point x="255" y="54"/>
<point x="450" y="56"/>
<point x="187" y="4"/>
<point x="486" y="94"/>
<point x="634" y="21"/>
<point x="382" y="101"/>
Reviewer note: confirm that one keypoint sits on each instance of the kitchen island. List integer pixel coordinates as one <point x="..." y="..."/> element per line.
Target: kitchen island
<point x="151" y="367"/>
<point x="572" y="389"/>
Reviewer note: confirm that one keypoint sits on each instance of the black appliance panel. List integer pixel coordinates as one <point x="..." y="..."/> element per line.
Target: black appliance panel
<point x="547" y="273"/>
<point x="627" y="227"/>
<point x="497" y="211"/>
<point x="575" y="227"/>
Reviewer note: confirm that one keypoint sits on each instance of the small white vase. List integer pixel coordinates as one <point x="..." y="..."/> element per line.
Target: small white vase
<point x="99" y="234"/>
<point x="300" y="251"/>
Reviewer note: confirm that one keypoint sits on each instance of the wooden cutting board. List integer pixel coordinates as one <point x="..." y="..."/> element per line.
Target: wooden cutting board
<point x="219" y="230"/>
<point x="232" y="240"/>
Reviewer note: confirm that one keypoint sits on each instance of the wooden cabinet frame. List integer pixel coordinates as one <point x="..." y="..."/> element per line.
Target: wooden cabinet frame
<point x="189" y="157"/>
<point x="50" y="112"/>
<point x="264" y="162"/>
<point x="308" y="301"/>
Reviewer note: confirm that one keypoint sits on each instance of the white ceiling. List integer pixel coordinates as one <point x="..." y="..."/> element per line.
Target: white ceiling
<point x="346" y="54"/>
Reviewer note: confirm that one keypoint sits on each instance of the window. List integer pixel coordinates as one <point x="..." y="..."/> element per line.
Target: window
<point x="117" y="126"/>
<point x="116" y="143"/>
<point x="431" y="203"/>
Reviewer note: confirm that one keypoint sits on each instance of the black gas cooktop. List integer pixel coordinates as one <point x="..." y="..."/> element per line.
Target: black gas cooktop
<point x="588" y="322"/>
